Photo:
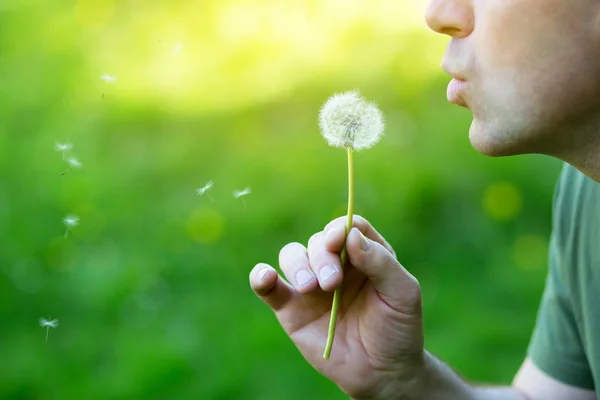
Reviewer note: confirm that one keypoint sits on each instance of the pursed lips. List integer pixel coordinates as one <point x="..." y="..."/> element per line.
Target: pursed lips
<point x="457" y="87"/>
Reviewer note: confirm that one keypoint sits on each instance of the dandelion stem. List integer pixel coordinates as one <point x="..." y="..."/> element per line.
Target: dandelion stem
<point x="211" y="199"/>
<point x="47" y="330"/>
<point x="343" y="255"/>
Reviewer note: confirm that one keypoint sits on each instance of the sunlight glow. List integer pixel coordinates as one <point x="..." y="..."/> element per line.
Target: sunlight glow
<point x="239" y="52"/>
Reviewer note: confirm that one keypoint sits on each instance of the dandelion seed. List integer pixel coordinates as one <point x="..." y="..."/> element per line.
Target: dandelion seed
<point x="242" y="193"/>
<point x="72" y="162"/>
<point x="177" y="48"/>
<point x="63" y="148"/>
<point x="70" y="222"/>
<point x="201" y="191"/>
<point x="107" y="79"/>
<point x="348" y="121"/>
<point x="47" y="323"/>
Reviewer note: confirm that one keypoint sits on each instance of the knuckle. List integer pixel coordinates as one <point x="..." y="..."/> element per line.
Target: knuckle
<point x="391" y="250"/>
<point x="413" y="292"/>
<point x="334" y="222"/>
<point x="359" y="220"/>
<point x="288" y="248"/>
<point x="314" y="239"/>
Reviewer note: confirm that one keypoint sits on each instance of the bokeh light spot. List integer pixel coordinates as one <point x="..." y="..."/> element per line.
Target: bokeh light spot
<point x="205" y="225"/>
<point x="502" y="201"/>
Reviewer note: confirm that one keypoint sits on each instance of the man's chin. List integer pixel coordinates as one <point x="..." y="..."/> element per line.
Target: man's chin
<point x="491" y="142"/>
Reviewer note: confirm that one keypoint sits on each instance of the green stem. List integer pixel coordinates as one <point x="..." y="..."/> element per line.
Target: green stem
<point x="338" y="292"/>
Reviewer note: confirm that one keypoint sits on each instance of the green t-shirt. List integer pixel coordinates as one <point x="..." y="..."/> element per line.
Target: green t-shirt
<point x="566" y="340"/>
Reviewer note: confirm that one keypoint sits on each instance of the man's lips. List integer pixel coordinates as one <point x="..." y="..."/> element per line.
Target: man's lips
<point x="456" y="91"/>
<point x="457" y="86"/>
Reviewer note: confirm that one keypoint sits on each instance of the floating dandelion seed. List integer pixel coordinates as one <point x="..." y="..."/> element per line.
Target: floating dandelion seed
<point x="63" y="148"/>
<point x="348" y="121"/>
<point x="242" y="193"/>
<point x="47" y="323"/>
<point x="70" y="221"/>
<point x="177" y="48"/>
<point x="201" y="191"/>
<point x="72" y="162"/>
<point x="107" y="79"/>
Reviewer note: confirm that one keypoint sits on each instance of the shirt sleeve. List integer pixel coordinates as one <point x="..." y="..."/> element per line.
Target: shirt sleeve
<point x="556" y="346"/>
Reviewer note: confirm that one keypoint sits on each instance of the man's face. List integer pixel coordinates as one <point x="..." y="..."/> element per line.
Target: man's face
<point x="532" y="70"/>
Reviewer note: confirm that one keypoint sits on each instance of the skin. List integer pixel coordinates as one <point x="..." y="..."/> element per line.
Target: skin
<point x="532" y="72"/>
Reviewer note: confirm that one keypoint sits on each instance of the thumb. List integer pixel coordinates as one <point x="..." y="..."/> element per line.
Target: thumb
<point x="395" y="285"/>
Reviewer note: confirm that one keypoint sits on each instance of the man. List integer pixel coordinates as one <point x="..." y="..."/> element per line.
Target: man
<point x="529" y="70"/>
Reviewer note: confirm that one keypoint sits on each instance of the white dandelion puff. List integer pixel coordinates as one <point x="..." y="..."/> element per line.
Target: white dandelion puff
<point x="349" y="121"/>
<point x="63" y="148"/>
<point x="242" y="193"/>
<point x="47" y="323"/>
<point x="70" y="222"/>
<point x="177" y="48"/>
<point x="203" y="190"/>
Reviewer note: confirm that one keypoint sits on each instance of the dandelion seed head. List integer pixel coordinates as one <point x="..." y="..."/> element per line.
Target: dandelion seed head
<point x="348" y="120"/>
<point x="63" y="146"/>
<point x="108" y="79"/>
<point x="52" y="324"/>
<point x="239" y="193"/>
<point x="73" y="162"/>
<point x="202" y="190"/>
<point x="71" y="220"/>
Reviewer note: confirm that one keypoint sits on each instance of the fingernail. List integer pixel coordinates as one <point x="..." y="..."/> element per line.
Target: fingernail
<point x="303" y="277"/>
<point x="364" y="243"/>
<point x="262" y="273"/>
<point x="327" y="272"/>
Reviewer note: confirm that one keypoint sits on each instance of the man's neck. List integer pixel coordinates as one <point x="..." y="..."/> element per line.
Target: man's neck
<point x="581" y="149"/>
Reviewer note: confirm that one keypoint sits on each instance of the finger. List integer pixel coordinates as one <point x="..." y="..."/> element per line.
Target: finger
<point x="394" y="284"/>
<point x="270" y="287"/>
<point x="336" y="230"/>
<point x="324" y="263"/>
<point x="294" y="263"/>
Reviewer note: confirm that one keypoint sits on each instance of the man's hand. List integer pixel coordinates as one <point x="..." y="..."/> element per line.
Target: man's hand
<point x="378" y="345"/>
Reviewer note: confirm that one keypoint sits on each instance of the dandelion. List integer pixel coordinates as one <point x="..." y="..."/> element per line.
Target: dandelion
<point x="63" y="148"/>
<point x="107" y="79"/>
<point x="242" y="193"/>
<point x="47" y="323"/>
<point x="201" y="191"/>
<point x="177" y="48"/>
<point x="348" y="121"/>
<point x="70" y="222"/>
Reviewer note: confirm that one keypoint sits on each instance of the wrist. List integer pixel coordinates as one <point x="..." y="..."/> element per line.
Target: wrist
<point x="405" y="383"/>
<point x="438" y="381"/>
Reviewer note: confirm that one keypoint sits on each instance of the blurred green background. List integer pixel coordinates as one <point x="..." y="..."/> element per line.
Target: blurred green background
<point x="151" y="289"/>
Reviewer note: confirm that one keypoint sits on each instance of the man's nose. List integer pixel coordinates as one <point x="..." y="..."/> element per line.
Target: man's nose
<point x="451" y="17"/>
